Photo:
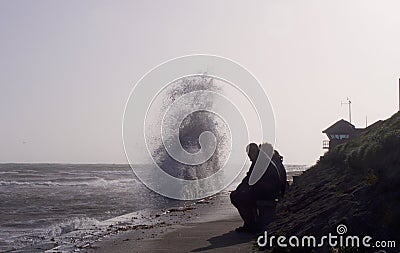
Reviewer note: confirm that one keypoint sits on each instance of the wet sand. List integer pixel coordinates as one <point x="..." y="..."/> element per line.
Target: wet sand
<point x="208" y="227"/>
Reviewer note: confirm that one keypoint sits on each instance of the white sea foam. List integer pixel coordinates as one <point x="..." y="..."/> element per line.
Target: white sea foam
<point x="93" y="182"/>
<point x="70" y="225"/>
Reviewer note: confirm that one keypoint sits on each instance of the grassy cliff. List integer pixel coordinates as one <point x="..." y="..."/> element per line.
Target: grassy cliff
<point x="356" y="184"/>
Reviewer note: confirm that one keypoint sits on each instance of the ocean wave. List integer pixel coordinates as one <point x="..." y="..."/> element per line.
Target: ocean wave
<point x="92" y="182"/>
<point x="91" y="172"/>
<point x="9" y="172"/>
<point x="70" y="225"/>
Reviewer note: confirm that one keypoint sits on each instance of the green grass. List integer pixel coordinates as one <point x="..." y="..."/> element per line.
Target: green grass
<point x="356" y="184"/>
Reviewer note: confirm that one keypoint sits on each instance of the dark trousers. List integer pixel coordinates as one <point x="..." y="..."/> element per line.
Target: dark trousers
<point x="255" y="213"/>
<point x="266" y="213"/>
<point x="246" y="205"/>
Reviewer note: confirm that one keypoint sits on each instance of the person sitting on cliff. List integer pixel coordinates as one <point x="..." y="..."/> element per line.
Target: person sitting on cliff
<point x="256" y="203"/>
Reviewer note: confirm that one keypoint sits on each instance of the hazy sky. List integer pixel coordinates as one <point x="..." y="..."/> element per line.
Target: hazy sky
<point x="67" y="67"/>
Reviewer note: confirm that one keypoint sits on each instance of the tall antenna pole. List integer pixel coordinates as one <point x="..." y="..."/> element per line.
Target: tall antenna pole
<point x="349" y="104"/>
<point x="349" y="109"/>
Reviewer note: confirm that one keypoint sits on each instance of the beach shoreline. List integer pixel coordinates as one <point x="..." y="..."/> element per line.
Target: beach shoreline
<point x="206" y="226"/>
<point x="78" y="206"/>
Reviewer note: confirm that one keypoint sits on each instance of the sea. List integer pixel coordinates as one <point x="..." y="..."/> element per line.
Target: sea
<point x="63" y="207"/>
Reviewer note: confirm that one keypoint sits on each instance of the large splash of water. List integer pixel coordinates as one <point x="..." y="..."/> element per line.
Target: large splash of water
<point x="190" y="129"/>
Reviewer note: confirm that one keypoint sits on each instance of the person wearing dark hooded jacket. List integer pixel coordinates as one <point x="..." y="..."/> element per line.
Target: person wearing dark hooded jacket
<point x="268" y="189"/>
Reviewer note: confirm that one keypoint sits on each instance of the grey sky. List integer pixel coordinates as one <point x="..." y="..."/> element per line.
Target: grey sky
<point x="67" y="67"/>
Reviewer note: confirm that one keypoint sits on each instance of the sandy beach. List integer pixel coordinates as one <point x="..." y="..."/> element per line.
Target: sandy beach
<point x="111" y="203"/>
<point x="208" y="227"/>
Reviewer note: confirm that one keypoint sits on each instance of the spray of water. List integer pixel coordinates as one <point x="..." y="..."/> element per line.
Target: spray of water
<point x="190" y="129"/>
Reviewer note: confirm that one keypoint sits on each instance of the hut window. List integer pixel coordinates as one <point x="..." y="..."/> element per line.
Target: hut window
<point x="339" y="136"/>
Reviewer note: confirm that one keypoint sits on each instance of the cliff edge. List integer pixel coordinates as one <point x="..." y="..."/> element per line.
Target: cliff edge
<point x="355" y="184"/>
